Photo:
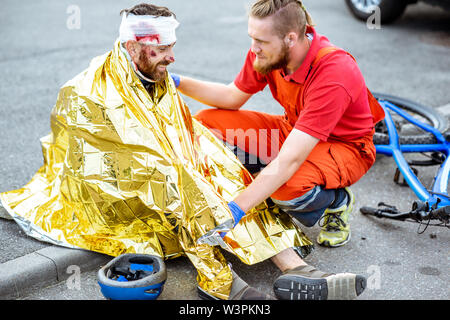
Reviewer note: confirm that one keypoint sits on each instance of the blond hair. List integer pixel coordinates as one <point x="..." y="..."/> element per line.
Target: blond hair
<point x="289" y="15"/>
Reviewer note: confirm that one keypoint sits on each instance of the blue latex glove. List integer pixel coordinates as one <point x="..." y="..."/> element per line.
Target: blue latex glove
<point x="237" y="212"/>
<point x="214" y="236"/>
<point x="176" y="78"/>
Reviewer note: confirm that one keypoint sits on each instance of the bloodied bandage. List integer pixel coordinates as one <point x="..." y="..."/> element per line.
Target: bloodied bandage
<point x="148" y="29"/>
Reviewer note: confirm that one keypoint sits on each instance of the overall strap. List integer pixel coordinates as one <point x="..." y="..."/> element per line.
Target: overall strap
<point x="322" y="53"/>
<point x="375" y="107"/>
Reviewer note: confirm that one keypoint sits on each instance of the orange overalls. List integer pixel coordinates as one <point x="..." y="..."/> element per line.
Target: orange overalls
<point x="331" y="164"/>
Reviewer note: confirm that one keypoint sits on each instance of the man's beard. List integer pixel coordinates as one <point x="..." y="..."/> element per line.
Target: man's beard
<point x="280" y="63"/>
<point x="150" y="70"/>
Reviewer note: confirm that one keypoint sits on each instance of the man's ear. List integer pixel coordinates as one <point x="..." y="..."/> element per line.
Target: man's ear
<point x="132" y="48"/>
<point x="291" y="39"/>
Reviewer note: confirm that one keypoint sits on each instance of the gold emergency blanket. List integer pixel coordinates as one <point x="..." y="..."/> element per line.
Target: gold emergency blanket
<point x="128" y="171"/>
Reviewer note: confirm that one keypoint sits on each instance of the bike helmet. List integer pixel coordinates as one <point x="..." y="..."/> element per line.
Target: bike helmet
<point x="133" y="277"/>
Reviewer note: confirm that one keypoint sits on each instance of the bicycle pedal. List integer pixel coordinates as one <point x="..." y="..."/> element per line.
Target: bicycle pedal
<point x="403" y="183"/>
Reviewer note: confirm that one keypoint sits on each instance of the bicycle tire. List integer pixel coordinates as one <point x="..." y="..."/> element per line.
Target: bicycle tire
<point x="432" y="117"/>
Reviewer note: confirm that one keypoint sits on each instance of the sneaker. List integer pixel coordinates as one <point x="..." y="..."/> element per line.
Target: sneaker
<point x="240" y="290"/>
<point x="335" y="230"/>
<point x="308" y="283"/>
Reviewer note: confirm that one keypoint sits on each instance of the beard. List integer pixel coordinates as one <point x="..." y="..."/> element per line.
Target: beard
<point x="280" y="62"/>
<point x="150" y="70"/>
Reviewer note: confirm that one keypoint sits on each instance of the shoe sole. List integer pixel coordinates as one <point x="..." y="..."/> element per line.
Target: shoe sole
<point x="340" y="244"/>
<point x="205" y="295"/>
<point x="341" y="286"/>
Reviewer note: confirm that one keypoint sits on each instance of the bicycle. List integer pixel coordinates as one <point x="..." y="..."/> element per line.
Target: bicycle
<point x="425" y="136"/>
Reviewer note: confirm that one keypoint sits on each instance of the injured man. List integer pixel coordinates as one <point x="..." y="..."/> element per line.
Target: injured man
<point x="128" y="170"/>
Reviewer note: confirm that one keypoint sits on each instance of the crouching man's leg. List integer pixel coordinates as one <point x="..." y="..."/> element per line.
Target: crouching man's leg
<point x="332" y="206"/>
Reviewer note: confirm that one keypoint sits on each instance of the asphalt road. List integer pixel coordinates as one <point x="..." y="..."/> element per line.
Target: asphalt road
<point x="43" y="47"/>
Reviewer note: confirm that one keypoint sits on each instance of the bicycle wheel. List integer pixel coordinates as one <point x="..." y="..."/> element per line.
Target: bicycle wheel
<point x="409" y="133"/>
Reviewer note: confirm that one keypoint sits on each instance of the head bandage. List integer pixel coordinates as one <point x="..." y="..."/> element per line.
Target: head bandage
<point x="148" y="29"/>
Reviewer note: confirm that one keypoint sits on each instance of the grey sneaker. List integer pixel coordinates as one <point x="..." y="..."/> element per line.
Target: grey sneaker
<point x="308" y="283"/>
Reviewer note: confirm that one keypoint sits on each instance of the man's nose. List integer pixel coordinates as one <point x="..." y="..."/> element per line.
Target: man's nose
<point x="255" y="48"/>
<point x="170" y="57"/>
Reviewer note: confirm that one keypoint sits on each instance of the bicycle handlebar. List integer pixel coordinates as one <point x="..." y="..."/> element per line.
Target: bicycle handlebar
<point x="419" y="212"/>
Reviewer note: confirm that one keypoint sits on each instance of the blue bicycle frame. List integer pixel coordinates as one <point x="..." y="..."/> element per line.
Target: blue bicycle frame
<point x="438" y="196"/>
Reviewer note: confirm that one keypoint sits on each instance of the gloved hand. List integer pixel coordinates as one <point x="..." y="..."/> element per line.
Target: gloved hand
<point x="176" y="78"/>
<point x="211" y="237"/>
<point x="236" y="211"/>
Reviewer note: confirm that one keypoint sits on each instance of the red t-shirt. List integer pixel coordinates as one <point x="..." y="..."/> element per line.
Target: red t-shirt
<point x="334" y="103"/>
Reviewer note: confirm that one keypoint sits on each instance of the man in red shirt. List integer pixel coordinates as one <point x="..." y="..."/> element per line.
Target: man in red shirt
<point x="312" y="153"/>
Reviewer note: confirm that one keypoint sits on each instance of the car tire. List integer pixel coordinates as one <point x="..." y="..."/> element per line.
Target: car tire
<point x="390" y="9"/>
